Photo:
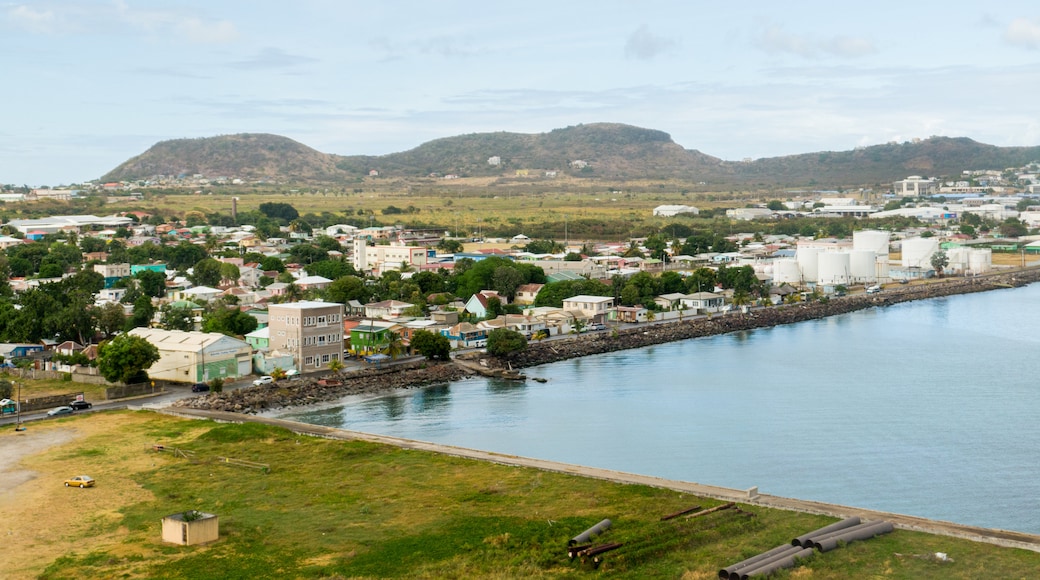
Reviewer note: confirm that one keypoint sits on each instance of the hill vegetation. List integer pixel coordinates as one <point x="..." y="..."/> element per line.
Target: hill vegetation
<point x="599" y="151"/>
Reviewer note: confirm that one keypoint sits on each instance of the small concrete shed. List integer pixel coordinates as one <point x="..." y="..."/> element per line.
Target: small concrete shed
<point x="190" y="528"/>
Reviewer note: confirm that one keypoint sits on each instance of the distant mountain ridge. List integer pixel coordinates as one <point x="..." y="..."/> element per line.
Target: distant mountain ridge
<point x="598" y="150"/>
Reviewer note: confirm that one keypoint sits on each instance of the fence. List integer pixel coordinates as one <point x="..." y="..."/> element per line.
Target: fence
<point x="123" y="391"/>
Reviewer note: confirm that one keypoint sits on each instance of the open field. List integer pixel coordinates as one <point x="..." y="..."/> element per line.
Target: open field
<point x="32" y="388"/>
<point x="335" y="509"/>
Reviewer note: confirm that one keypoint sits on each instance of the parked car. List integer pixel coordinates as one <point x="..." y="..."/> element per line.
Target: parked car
<point x="264" y="380"/>
<point x="80" y="481"/>
<point x="66" y="410"/>
<point x="873" y="289"/>
<point x="597" y="326"/>
<point x="80" y="405"/>
<point x="199" y="388"/>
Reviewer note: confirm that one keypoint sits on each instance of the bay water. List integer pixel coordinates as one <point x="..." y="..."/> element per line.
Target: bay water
<point x="928" y="408"/>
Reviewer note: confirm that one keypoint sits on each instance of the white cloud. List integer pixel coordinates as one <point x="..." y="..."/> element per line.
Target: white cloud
<point x="1023" y="32"/>
<point x="775" y="39"/>
<point x="39" y="21"/>
<point x="273" y="58"/>
<point x="645" y="45"/>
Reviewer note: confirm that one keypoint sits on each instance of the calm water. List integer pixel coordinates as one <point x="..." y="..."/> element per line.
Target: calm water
<point x="929" y="408"/>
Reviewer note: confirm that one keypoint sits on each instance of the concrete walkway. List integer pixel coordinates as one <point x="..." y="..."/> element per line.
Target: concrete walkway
<point x="749" y="497"/>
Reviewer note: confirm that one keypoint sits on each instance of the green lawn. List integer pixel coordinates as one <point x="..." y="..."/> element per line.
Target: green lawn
<point x="334" y="509"/>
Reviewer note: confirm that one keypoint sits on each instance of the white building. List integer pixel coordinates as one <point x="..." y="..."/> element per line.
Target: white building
<point x="672" y="210"/>
<point x="914" y="186"/>
<point x="594" y="308"/>
<point x="387" y="257"/>
<point x="192" y="357"/>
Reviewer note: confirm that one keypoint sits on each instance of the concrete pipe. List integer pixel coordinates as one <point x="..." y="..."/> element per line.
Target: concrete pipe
<point x="805" y="540"/>
<point x="589" y="533"/>
<point x="861" y="532"/>
<point x="777" y="564"/>
<point x="755" y="561"/>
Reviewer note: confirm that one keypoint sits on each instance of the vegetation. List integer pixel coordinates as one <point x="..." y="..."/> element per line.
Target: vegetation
<point x="505" y="342"/>
<point x="352" y="509"/>
<point x="431" y="345"/>
<point x="125" y="358"/>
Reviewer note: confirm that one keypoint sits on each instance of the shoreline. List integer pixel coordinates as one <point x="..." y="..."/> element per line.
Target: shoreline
<point x="303" y="392"/>
<point x="999" y="537"/>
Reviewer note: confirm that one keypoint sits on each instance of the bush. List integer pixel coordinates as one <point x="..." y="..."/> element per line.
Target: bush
<point x="504" y="342"/>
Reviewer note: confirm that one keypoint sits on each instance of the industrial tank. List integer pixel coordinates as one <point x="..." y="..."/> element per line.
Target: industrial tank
<point x="863" y="266"/>
<point x="808" y="262"/>
<point x="833" y="267"/>
<point x="917" y="252"/>
<point x="786" y="271"/>
<point x="980" y="260"/>
<point x="874" y="240"/>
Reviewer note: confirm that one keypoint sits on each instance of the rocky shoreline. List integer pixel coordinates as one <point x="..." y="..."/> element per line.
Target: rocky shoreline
<point x="307" y="391"/>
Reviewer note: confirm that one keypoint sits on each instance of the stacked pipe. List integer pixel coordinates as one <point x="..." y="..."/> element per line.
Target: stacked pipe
<point x="824" y="539"/>
<point x="781" y="556"/>
<point x="589" y="533"/>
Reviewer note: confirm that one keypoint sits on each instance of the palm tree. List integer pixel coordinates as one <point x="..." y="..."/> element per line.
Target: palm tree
<point x="741" y="298"/>
<point x="335" y="365"/>
<point x="394" y="345"/>
<point x="650" y="316"/>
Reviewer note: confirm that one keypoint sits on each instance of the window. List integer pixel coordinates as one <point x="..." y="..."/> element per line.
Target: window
<point x="321" y="320"/>
<point x="309" y="361"/>
<point x="325" y="358"/>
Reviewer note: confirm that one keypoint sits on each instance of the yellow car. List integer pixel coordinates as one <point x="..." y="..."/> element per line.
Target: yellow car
<point x="80" y="481"/>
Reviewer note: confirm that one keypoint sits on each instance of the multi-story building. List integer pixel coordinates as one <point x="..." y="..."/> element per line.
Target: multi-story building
<point x="312" y="332"/>
<point x="381" y="258"/>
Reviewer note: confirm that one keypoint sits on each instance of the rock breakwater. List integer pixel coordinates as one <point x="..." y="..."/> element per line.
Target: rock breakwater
<point x="307" y="391"/>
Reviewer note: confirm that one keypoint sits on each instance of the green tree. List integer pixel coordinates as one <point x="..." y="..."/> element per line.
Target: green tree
<point x="228" y="320"/>
<point x="504" y="342"/>
<point x="279" y="211"/>
<point x="939" y="262"/>
<point x="776" y="205"/>
<point x="431" y="345"/>
<point x="152" y="283"/>
<point x="110" y="318"/>
<point x="449" y="246"/>
<point x="125" y="358"/>
<point x="176" y="318"/>
<point x="394" y="345"/>
<point x="206" y="273"/>
<point x="506" y="281"/>
<point x="142" y="314"/>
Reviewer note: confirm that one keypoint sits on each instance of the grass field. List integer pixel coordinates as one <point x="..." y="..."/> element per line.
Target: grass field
<point x="334" y="509"/>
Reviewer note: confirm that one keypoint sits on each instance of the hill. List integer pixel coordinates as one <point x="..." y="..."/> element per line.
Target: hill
<point x="608" y="151"/>
<point x="249" y="156"/>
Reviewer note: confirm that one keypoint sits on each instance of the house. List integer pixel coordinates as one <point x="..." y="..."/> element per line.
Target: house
<point x="386" y="309"/>
<point x="466" y="335"/>
<point x="311" y="331"/>
<point x="630" y="314"/>
<point x="259" y="339"/>
<point x="703" y="302"/>
<point x="478" y="303"/>
<point x="112" y="272"/>
<point x="191" y="357"/>
<point x="370" y="336"/>
<point x="313" y="283"/>
<point x="669" y="301"/>
<point x="526" y="293"/>
<point x="199" y="293"/>
<point x="594" y="308"/>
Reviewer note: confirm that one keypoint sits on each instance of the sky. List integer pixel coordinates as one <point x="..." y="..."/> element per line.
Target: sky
<point x="85" y="85"/>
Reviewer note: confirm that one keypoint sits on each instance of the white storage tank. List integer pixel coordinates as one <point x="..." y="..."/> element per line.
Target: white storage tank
<point x="917" y="252"/>
<point x="957" y="260"/>
<point x="786" y="271"/>
<point x="980" y="260"/>
<point x="808" y="262"/>
<point x="882" y="268"/>
<point x="874" y="240"/>
<point x="862" y="266"/>
<point x="833" y="267"/>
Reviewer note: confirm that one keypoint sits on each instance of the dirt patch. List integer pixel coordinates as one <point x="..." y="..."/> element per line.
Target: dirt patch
<point x="40" y="518"/>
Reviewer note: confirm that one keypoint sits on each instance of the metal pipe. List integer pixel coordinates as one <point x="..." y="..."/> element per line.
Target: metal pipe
<point x="589" y="533"/>
<point x="776" y="564"/>
<point x="805" y="540"/>
<point x="727" y="572"/>
<point x="863" y="532"/>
